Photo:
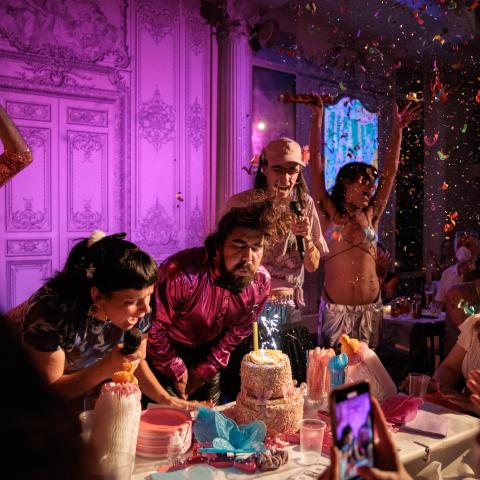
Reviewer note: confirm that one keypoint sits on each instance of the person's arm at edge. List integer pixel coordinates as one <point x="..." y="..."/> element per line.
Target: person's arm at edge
<point x="17" y="155"/>
<point x="392" y="158"/>
<point x="449" y="372"/>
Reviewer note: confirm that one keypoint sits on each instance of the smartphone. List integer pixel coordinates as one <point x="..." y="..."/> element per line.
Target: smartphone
<point x="352" y="428"/>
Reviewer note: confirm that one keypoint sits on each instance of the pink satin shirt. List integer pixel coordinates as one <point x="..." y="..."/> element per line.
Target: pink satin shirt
<point x="192" y="310"/>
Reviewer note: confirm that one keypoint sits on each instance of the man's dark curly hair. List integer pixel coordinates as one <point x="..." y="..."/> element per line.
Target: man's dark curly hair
<point x="273" y="221"/>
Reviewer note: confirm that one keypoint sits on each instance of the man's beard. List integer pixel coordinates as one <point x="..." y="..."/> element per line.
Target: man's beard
<point x="229" y="280"/>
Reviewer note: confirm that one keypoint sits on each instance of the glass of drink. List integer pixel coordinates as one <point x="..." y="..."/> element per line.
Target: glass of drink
<point x="311" y="440"/>
<point x="417" y="384"/>
<point x="428" y="295"/>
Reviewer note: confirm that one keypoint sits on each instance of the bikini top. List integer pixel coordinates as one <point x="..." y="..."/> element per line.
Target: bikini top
<point x="334" y="233"/>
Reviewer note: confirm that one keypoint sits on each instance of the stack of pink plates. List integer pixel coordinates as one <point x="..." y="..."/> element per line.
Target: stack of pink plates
<point x="158" y="426"/>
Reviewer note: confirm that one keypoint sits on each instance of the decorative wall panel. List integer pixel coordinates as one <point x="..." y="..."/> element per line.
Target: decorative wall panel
<point x="29" y="247"/>
<point x="25" y="276"/>
<point x="87" y="181"/>
<point x="28" y="204"/>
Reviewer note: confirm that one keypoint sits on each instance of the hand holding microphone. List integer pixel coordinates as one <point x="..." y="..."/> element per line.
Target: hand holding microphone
<point x="131" y="341"/>
<point x="304" y="228"/>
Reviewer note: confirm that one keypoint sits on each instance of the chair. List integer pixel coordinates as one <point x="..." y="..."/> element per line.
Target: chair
<point x="425" y="339"/>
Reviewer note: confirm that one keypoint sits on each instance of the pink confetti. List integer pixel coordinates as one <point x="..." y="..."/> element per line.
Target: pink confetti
<point x="430" y="141"/>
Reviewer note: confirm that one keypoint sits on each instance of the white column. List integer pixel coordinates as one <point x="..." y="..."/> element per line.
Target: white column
<point x="234" y="101"/>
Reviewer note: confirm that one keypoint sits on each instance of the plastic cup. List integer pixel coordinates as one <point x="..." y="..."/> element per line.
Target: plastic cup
<point x="86" y="422"/>
<point x="114" y="466"/>
<point x="417" y="384"/>
<point x="311" y="440"/>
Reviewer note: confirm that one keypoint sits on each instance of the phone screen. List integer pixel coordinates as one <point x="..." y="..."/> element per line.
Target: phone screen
<point x="352" y="426"/>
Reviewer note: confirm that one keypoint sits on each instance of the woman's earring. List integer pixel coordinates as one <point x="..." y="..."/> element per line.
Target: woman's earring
<point x="91" y="312"/>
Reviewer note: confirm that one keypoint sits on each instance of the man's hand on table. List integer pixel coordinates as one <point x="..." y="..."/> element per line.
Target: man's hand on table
<point x="388" y="465"/>
<point x="189" y="404"/>
<point x="195" y="381"/>
<point x="181" y="385"/>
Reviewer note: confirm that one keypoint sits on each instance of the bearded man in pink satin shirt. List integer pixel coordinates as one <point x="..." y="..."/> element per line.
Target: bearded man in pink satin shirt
<point x="207" y="299"/>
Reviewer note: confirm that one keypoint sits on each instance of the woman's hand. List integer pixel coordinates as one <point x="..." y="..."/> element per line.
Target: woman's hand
<point x="404" y="117"/>
<point x="114" y="361"/>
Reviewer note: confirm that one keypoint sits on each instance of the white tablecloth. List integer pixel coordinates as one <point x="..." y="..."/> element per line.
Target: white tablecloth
<point x="453" y="456"/>
<point x="396" y="330"/>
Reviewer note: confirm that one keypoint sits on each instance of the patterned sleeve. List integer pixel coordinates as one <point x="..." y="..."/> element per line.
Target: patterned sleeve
<point x="44" y="327"/>
<point x="11" y="163"/>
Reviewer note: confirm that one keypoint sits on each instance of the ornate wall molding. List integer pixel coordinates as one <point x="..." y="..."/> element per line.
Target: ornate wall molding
<point x="87" y="173"/>
<point x="82" y="116"/>
<point x="158" y="22"/>
<point x="196" y="227"/>
<point x="18" y="271"/>
<point x="157" y="231"/>
<point x="31" y="247"/>
<point x="68" y="31"/>
<point x="30" y="217"/>
<point x="156" y="120"/>
<point x="196" y="124"/>
<point x="29" y="111"/>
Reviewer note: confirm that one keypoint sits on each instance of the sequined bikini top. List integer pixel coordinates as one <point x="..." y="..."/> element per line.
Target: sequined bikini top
<point x="334" y="232"/>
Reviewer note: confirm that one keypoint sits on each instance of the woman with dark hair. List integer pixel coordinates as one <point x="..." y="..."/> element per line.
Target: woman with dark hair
<point x="74" y="325"/>
<point x="279" y="176"/>
<point x="350" y="216"/>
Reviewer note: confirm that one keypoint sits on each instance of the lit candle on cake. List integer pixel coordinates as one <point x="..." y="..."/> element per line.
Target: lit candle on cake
<point x="255" y="336"/>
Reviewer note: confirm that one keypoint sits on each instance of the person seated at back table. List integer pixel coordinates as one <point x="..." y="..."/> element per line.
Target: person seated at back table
<point x="466" y="251"/>
<point x="461" y="301"/>
<point x="462" y="359"/>
<point x="74" y="324"/>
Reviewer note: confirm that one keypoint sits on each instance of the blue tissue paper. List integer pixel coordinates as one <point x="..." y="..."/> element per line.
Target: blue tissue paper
<point x="212" y="427"/>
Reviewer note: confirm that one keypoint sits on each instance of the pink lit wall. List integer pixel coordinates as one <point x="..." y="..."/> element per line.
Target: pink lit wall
<point x="113" y="97"/>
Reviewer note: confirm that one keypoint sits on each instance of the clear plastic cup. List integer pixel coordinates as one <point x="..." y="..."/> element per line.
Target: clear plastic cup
<point x="312" y="431"/>
<point x="417" y="384"/>
<point x="86" y="421"/>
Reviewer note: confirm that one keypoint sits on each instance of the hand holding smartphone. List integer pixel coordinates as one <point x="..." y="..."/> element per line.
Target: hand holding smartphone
<point x="352" y="428"/>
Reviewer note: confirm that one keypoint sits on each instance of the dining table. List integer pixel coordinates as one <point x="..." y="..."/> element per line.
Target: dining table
<point x="424" y="456"/>
<point x="396" y="329"/>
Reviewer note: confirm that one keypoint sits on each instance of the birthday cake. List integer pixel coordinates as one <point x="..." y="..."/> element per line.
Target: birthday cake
<point x="267" y="392"/>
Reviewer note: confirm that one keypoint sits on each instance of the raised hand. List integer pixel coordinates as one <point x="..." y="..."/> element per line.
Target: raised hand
<point x="409" y="113"/>
<point x="317" y="105"/>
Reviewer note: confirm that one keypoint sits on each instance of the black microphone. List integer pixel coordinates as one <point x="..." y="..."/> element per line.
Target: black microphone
<point x="131" y="340"/>
<point x="297" y="210"/>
